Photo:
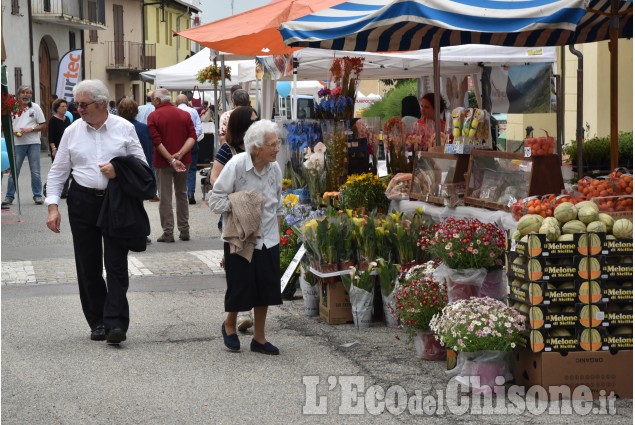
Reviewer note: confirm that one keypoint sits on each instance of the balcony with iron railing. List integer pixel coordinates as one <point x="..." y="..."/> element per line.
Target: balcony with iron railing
<point x="78" y="14"/>
<point x="130" y="55"/>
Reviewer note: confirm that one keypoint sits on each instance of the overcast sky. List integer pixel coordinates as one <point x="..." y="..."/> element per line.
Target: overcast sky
<point x="219" y="9"/>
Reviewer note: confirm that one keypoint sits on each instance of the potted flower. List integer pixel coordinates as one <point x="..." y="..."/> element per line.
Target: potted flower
<point x="364" y="191"/>
<point x="365" y="238"/>
<point x="361" y="289"/>
<point x="310" y="290"/>
<point x="12" y="106"/>
<point x="467" y="247"/>
<point x="405" y="229"/>
<point x="418" y="299"/>
<point x="314" y="172"/>
<point x="388" y="273"/>
<point x="483" y="331"/>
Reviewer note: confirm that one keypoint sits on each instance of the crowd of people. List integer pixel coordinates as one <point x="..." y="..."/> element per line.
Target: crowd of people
<point x="119" y="155"/>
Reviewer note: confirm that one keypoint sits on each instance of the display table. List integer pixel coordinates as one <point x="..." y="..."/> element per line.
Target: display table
<point x="437" y="213"/>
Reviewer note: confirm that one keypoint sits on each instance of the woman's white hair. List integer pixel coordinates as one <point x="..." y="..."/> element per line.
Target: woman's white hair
<point x="257" y="133"/>
<point x="95" y="88"/>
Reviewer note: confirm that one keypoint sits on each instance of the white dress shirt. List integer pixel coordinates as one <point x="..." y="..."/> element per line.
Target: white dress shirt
<point x="83" y="148"/>
<point x="196" y="120"/>
<point x="239" y="174"/>
<point x="31" y="117"/>
<point x="144" y="112"/>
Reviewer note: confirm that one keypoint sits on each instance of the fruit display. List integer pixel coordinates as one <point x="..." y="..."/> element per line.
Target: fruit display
<point x="541" y="145"/>
<point x="439" y="178"/>
<point x="616" y="183"/>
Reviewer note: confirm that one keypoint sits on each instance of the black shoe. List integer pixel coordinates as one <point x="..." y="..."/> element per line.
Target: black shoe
<point x="231" y="341"/>
<point x="116" y="336"/>
<point x="191" y="199"/>
<point x="98" y="334"/>
<point x="266" y="348"/>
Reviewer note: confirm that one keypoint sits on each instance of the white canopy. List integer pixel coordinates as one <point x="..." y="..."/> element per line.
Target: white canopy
<point x="315" y="64"/>
<point x="182" y="76"/>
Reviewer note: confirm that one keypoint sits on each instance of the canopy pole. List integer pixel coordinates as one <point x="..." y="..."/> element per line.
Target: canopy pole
<point x="223" y="92"/>
<point x="436" y="73"/>
<point x="294" y="97"/>
<point x="579" y="131"/>
<point x="613" y="51"/>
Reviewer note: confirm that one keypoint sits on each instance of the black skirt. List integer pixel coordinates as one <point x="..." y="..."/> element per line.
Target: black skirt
<point x="255" y="283"/>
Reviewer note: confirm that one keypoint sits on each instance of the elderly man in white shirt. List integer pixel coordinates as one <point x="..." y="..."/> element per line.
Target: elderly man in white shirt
<point x="86" y="149"/>
<point x="181" y="103"/>
<point x="256" y="283"/>
<point x="147" y="109"/>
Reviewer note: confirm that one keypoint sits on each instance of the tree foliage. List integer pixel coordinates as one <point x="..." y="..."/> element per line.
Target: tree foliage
<point x="390" y="105"/>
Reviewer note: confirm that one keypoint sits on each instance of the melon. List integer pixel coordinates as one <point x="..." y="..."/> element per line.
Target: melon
<point x="566" y="285"/>
<point x="596" y="227"/>
<point x="607" y="220"/>
<point x="550" y="221"/>
<point x="589" y="204"/>
<point x="589" y="268"/>
<point x="565" y="212"/>
<point x="529" y="223"/>
<point x="622" y="330"/>
<point x="588" y="214"/>
<point x="536" y="318"/>
<point x="589" y="316"/>
<point x="550" y="230"/>
<point x="552" y="309"/>
<point x="573" y="226"/>
<point x="565" y="238"/>
<point x="516" y="235"/>
<point x="590" y="292"/>
<point x="623" y="229"/>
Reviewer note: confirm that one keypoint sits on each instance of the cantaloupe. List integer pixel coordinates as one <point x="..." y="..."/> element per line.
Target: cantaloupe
<point x="596" y="227"/>
<point x="529" y="223"/>
<point x="565" y="212"/>
<point x="588" y="214"/>
<point x="623" y="229"/>
<point x="607" y="220"/>
<point x="573" y="226"/>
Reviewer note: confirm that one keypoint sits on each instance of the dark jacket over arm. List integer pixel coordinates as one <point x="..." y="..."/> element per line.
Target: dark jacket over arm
<point x="122" y="213"/>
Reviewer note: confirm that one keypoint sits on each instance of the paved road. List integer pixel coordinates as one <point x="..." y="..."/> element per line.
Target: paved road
<point x="173" y="368"/>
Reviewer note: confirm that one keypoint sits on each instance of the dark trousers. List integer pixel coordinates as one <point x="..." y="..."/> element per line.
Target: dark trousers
<point x="191" y="171"/>
<point x="102" y="304"/>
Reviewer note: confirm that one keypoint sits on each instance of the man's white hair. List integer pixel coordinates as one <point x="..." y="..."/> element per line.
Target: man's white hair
<point x="95" y="88"/>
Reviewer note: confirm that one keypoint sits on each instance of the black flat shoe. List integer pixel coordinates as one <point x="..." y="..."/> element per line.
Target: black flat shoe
<point x="98" y="334"/>
<point x="116" y="336"/>
<point x="231" y="341"/>
<point x="191" y="200"/>
<point x="266" y="348"/>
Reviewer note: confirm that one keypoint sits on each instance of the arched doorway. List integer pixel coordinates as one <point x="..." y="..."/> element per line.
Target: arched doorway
<point x="44" y="57"/>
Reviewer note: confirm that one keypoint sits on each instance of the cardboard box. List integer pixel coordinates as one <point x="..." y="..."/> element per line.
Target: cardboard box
<point x="617" y="268"/>
<point x="618" y="247"/>
<point x="611" y="372"/>
<point x="616" y="292"/>
<point x="538" y="340"/>
<point x="537" y="245"/>
<point x="615" y="341"/>
<point x="540" y="317"/>
<point x="335" y="304"/>
<point x="540" y="269"/>
<point x="536" y="293"/>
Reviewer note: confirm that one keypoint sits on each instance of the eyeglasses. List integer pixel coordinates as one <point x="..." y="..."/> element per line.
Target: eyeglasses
<point x="85" y="105"/>
<point x="275" y="145"/>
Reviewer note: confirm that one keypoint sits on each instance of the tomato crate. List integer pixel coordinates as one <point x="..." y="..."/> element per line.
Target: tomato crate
<point x="615" y="206"/>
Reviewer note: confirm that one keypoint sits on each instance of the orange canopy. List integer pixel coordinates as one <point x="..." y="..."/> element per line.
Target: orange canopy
<point x="254" y="31"/>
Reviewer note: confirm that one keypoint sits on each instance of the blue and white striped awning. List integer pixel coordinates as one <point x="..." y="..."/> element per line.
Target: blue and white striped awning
<point x="399" y="25"/>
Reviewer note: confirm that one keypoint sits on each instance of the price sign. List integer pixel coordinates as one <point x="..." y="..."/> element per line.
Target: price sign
<point x="284" y="280"/>
<point x="459" y="148"/>
<point x="527" y="152"/>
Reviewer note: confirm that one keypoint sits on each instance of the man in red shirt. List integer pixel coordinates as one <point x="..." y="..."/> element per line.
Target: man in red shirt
<point x="173" y="137"/>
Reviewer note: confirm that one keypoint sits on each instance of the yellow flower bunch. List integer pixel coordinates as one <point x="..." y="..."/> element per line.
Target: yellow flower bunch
<point x="291" y="200"/>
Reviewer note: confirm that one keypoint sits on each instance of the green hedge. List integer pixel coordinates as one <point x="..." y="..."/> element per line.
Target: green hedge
<point x="598" y="149"/>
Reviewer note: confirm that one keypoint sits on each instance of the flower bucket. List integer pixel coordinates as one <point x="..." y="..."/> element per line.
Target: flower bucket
<point x="462" y="284"/>
<point x="427" y="347"/>
<point x="303" y="194"/>
<point x="494" y="285"/>
<point x="362" y="306"/>
<point x="311" y="297"/>
<point x="392" y="321"/>
<point x="346" y="265"/>
<point x="325" y="267"/>
<point x="480" y="370"/>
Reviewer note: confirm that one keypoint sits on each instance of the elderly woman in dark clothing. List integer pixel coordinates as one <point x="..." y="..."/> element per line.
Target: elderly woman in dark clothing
<point x="129" y="109"/>
<point x="248" y="192"/>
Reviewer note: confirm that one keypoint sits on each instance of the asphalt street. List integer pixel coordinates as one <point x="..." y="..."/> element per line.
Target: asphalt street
<point x="174" y="369"/>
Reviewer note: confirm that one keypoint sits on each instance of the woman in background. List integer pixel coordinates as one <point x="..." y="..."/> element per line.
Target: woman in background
<point x="56" y="127"/>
